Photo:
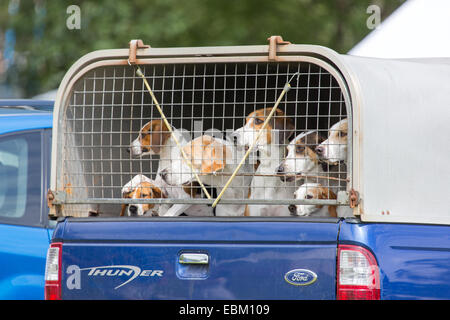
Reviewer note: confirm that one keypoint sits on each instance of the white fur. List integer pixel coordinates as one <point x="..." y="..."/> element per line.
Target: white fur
<point x="265" y="187"/>
<point x="335" y="150"/>
<point x="180" y="173"/>
<point x="170" y="153"/>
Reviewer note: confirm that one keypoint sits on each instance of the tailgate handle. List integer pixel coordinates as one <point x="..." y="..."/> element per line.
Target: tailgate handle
<point x="193" y="258"/>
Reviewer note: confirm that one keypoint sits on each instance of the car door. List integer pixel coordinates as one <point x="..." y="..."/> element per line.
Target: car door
<point x="24" y="235"/>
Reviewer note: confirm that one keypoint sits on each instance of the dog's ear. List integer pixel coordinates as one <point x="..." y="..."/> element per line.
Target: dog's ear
<point x="206" y="154"/>
<point x="154" y="135"/>
<point x="326" y="193"/>
<point x="123" y="209"/>
<point x="284" y="125"/>
<point x="313" y="139"/>
<point x="158" y="193"/>
<point x="214" y="157"/>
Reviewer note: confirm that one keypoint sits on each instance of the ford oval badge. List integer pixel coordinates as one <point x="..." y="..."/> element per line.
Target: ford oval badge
<point x="300" y="277"/>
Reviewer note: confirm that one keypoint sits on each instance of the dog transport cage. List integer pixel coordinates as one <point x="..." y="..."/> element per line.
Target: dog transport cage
<point x="102" y="104"/>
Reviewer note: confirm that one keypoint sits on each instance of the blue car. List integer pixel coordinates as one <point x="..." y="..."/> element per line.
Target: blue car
<point x="25" y="230"/>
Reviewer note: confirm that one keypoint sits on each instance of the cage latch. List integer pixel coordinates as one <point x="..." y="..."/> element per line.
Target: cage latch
<point x="50" y="198"/>
<point x="54" y="200"/>
<point x="274" y="41"/>
<point x="134" y="45"/>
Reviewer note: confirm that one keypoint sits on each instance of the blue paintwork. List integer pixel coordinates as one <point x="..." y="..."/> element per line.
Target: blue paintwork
<point x="23" y="248"/>
<point x="248" y="260"/>
<point x="414" y="260"/>
<point x="22" y="255"/>
<point x="12" y="120"/>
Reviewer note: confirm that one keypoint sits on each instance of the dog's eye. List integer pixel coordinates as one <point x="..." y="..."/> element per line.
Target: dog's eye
<point x="299" y="149"/>
<point x="343" y="134"/>
<point x="144" y="195"/>
<point x="126" y="194"/>
<point x="308" y="196"/>
<point x="258" y="121"/>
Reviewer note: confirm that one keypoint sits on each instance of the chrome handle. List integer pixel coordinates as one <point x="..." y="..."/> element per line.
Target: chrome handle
<point x="193" y="258"/>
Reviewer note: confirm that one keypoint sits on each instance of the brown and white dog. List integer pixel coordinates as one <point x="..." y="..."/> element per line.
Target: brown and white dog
<point x="334" y="149"/>
<point x="209" y="158"/>
<point x="141" y="187"/>
<point x="270" y="148"/>
<point x="313" y="191"/>
<point x="317" y="191"/>
<point x="155" y="139"/>
<point x="301" y="158"/>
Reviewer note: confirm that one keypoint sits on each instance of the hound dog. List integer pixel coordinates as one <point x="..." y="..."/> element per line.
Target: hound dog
<point x="301" y="160"/>
<point x="213" y="160"/>
<point x="155" y="139"/>
<point x="141" y="187"/>
<point x="270" y="149"/>
<point x="313" y="191"/>
<point x="334" y="149"/>
<point x="317" y="191"/>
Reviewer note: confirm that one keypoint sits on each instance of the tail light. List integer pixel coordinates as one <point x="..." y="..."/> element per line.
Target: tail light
<point x="358" y="276"/>
<point x="53" y="272"/>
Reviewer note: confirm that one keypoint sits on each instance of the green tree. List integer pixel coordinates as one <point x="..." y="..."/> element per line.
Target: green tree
<point x="45" y="48"/>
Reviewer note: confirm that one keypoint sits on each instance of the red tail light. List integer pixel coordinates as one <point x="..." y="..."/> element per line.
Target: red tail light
<point x="53" y="272"/>
<point x="358" y="276"/>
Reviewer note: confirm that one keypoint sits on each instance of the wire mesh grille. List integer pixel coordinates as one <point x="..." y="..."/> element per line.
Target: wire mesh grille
<point x="106" y="142"/>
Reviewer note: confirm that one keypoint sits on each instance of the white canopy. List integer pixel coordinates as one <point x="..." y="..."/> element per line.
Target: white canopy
<point x="417" y="29"/>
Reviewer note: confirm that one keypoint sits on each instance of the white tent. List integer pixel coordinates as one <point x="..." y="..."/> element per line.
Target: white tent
<point x="418" y="28"/>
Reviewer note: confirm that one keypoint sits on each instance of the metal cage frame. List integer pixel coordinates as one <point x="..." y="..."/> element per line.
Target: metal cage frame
<point x="58" y="196"/>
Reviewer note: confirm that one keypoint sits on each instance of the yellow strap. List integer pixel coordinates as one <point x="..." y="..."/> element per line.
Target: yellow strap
<point x="185" y="158"/>
<point x="260" y="132"/>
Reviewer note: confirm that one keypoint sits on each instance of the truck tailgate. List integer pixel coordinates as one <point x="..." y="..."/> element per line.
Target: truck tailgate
<point x="190" y="258"/>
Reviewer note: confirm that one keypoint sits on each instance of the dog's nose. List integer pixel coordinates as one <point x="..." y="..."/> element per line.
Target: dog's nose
<point x="133" y="210"/>
<point x="280" y="169"/>
<point x="128" y="150"/>
<point x="319" y="150"/>
<point x="292" y="209"/>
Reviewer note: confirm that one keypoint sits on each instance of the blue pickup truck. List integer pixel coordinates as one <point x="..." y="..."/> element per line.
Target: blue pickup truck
<point x="25" y="230"/>
<point x="390" y="171"/>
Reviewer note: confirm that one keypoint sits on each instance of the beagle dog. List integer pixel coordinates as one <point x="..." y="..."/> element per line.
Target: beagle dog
<point x="141" y="187"/>
<point x="313" y="191"/>
<point x="334" y="149"/>
<point x="209" y="158"/>
<point x="317" y="191"/>
<point x="301" y="158"/>
<point x="270" y="149"/>
<point x="155" y="139"/>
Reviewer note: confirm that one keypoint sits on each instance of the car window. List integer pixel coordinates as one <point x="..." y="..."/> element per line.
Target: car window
<point x="20" y="178"/>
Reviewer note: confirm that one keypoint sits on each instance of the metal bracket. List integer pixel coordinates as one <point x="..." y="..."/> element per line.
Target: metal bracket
<point x="274" y="41"/>
<point x="50" y="198"/>
<point x="55" y="198"/>
<point x="134" y="45"/>
<point x="353" y="198"/>
<point x="342" y="198"/>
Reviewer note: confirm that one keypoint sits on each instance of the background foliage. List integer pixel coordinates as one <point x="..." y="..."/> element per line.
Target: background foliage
<point x="44" y="48"/>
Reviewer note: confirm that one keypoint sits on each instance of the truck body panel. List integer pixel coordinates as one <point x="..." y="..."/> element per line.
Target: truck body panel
<point x="247" y="259"/>
<point x="413" y="259"/>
